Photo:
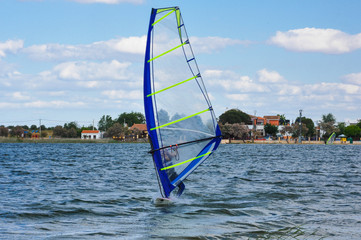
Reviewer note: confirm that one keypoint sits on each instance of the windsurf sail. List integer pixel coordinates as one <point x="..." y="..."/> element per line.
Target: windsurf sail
<point x="181" y="124"/>
<point x="331" y="139"/>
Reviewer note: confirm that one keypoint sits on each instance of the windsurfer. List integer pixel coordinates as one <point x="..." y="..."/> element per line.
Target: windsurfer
<point x="169" y="155"/>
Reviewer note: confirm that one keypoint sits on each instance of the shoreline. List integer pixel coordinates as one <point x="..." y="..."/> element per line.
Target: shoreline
<point x="226" y="141"/>
<point x="64" y="140"/>
<point x="106" y="140"/>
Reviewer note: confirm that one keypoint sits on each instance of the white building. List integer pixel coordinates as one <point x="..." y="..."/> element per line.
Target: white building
<point x="91" y="134"/>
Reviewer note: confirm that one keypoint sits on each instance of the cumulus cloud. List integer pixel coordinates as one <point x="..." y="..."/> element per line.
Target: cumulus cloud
<point x="238" y="97"/>
<point x="353" y="78"/>
<point x="114" y="48"/>
<point x="210" y="44"/>
<point x="10" y="46"/>
<point x="91" y="70"/>
<point x="54" y="104"/>
<point x="231" y="81"/>
<point x="266" y="76"/>
<point x="270" y="91"/>
<point x="330" y="41"/>
<point x="94" y="51"/>
<point x="42" y="104"/>
<point x="122" y="94"/>
<point x="19" y="96"/>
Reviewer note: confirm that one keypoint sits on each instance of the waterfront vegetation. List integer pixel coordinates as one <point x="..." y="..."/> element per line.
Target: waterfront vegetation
<point x="234" y="125"/>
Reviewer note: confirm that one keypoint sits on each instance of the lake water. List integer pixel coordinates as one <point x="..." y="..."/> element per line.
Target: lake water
<point x="106" y="191"/>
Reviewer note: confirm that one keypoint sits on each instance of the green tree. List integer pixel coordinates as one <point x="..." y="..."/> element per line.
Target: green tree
<point x="329" y="118"/>
<point x="226" y="130"/>
<point x="234" y="116"/>
<point x="309" y="131"/>
<point x="71" y="125"/>
<point x="71" y="133"/>
<point x="105" y="123"/>
<point x="33" y="127"/>
<point x="341" y="128"/>
<point x="295" y="130"/>
<point x="271" y="129"/>
<point x="239" y="131"/>
<point x="131" y="118"/>
<point x="328" y="125"/>
<point x="283" y="120"/>
<point x="72" y="130"/>
<point x="117" y="130"/>
<point x="17" y="131"/>
<point x="359" y="123"/>
<point x="4" y="132"/>
<point x="59" y="131"/>
<point x="235" y="130"/>
<point x="353" y="131"/>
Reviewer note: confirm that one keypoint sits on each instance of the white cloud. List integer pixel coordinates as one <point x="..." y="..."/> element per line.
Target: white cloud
<point x="43" y="104"/>
<point x="132" y="46"/>
<point x="238" y="97"/>
<point x="85" y="71"/>
<point x="286" y="89"/>
<point x="270" y="93"/>
<point x="337" y="89"/>
<point x="330" y="41"/>
<point x="97" y="50"/>
<point x="210" y="44"/>
<point x="265" y="76"/>
<point x="353" y="78"/>
<point x="122" y="94"/>
<point x="11" y="46"/>
<point x="54" y="104"/>
<point x="19" y="96"/>
<point x="231" y="81"/>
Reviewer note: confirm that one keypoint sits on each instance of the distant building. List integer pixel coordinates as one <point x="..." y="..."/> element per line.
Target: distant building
<point x="258" y="123"/>
<point x="273" y="120"/>
<point x="91" y="134"/>
<point x="142" y="128"/>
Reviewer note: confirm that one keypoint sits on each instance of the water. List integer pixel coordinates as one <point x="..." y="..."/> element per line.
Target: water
<point x="106" y="191"/>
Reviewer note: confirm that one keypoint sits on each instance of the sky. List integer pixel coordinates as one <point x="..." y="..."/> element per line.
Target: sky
<point x="77" y="60"/>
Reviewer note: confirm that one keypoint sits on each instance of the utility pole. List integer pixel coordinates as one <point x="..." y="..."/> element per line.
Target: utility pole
<point x="40" y="128"/>
<point x="299" y="138"/>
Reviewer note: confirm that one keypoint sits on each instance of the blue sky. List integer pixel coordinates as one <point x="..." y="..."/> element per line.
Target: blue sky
<point x="76" y="60"/>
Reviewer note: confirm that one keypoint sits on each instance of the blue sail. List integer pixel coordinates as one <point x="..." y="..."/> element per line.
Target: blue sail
<point x="181" y="123"/>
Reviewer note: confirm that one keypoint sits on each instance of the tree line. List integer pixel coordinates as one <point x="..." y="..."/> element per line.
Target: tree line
<point x="112" y="127"/>
<point x="234" y="124"/>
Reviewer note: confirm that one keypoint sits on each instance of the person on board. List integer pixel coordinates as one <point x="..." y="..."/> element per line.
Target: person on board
<point x="168" y="156"/>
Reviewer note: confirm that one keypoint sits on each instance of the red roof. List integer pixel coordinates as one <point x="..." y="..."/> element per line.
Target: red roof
<point x="141" y="127"/>
<point x="90" y="131"/>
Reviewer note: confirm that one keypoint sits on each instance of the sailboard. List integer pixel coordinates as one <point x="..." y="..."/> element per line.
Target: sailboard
<point x="181" y="123"/>
<point x="331" y="139"/>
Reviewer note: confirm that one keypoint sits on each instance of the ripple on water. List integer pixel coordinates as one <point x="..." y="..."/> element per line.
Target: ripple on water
<point x="90" y="191"/>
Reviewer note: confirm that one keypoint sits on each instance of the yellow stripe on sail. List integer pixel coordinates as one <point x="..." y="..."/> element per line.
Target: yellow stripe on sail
<point x="189" y="160"/>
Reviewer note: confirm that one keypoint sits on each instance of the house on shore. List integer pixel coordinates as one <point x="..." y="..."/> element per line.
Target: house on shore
<point x="258" y="123"/>
<point x="140" y="130"/>
<point x="91" y="134"/>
